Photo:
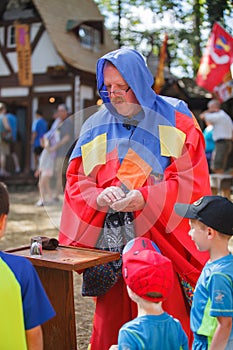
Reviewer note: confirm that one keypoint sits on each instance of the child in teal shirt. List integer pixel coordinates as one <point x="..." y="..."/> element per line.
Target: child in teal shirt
<point x="211" y="222"/>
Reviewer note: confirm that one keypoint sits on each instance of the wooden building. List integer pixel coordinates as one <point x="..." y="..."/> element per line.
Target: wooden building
<point x="57" y="65"/>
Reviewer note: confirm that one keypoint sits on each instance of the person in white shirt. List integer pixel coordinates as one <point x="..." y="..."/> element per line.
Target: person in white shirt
<point x="222" y="134"/>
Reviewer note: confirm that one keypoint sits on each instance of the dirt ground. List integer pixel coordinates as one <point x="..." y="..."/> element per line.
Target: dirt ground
<point x="26" y="220"/>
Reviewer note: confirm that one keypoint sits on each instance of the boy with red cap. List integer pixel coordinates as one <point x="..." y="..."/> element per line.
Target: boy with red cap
<point x="211" y="222"/>
<point x="149" y="279"/>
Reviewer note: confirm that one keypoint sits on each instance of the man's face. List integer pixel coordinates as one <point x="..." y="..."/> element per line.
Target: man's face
<point x="126" y="105"/>
<point x="62" y="113"/>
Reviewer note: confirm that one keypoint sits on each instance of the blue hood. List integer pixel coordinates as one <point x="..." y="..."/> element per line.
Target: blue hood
<point x="157" y="110"/>
<point x="132" y="67"/>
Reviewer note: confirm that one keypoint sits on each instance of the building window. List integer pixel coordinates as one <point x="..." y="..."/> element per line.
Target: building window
<point x="89" y="37"/>
<point x="11" y="40"/>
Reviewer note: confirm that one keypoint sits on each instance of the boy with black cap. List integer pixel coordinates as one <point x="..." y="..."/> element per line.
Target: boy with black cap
<point x="211" y="222"/>
<point x="149" y="279"/>
<point x="23" y="303"/>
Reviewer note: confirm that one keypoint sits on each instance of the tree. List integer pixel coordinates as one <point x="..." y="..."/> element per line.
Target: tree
<point x="216" y="10"/>
<point x="187" y="24"/>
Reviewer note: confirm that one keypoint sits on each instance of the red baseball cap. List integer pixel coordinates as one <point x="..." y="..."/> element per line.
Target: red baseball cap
<point x="146" y="271"/>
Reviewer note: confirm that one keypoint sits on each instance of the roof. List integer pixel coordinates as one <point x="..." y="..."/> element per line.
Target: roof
<point x="56" y="14"/>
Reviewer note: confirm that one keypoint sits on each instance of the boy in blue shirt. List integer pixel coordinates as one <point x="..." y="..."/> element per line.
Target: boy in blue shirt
<point x="149" y="279"/>
<point x="211" y="222"/>
<point x="23" y="303"/>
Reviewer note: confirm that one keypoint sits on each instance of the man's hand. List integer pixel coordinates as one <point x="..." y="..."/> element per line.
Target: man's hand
<point x="131" y="202"/>
<point x="115" y="198"/>
<point x="109" y="196"/>
<point x="202" y="116"/>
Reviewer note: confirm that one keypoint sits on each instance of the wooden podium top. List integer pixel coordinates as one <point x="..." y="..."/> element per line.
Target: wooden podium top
<point x="67" y="258"/>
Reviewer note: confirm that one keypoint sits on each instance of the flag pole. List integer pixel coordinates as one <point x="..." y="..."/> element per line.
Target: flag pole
<point x="159" y="78"/>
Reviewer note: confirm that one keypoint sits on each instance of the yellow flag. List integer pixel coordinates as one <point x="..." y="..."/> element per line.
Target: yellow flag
<point x="94" y="153"/>
<point x="171" y="141"/>
<point x="23" y="49"/>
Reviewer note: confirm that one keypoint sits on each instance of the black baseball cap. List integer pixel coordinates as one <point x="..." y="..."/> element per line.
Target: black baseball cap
<point x="213" y="211"/>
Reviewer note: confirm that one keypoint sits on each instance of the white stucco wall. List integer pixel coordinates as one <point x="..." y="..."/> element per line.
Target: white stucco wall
<point x="44" y="54"/>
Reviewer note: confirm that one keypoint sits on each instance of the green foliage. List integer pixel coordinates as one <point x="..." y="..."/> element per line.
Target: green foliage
<point x="188" y="25"/>
<point x="216" y="10"/>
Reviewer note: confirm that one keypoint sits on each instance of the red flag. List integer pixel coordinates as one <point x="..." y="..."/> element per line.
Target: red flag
<point x="217" y="59"/>
<point x="159" y="79"/>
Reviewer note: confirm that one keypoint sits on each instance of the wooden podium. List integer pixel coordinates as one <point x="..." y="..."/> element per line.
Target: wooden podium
<point x="55" y="269"/>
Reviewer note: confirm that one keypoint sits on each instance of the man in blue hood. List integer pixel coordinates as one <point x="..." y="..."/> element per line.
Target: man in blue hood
<point x="139" y="154"/>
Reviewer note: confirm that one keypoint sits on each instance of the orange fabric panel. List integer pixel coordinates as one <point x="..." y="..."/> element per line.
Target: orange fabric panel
<point x="134" y="171"/>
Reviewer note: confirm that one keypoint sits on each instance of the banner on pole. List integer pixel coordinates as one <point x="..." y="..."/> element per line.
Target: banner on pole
<point x="217" y="59"/>
<point x="225" y="91"/>
<point x="23" y="49"/>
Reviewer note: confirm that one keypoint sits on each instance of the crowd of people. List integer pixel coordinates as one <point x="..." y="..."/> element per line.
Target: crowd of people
<point x="137" y="182"/>
<point x="54" y="144"/>
<point x="49" y="147"/>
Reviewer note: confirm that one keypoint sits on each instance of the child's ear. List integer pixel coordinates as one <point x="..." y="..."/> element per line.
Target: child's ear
<point x="3" y="219"/>
<point x="211" y="232"/>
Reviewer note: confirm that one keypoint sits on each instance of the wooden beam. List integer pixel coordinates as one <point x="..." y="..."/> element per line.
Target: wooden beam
<point x="37" y="37"/>
<point x="5" y="58"/>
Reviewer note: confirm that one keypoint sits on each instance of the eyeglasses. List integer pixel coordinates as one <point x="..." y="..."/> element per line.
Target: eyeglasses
<point x="118" y="93"/>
